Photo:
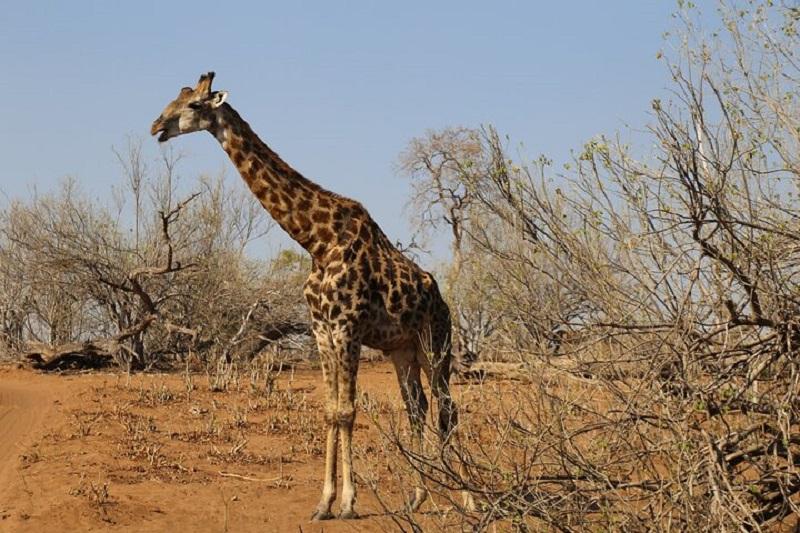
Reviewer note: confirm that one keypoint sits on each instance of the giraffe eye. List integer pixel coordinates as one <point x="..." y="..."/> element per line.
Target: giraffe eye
<point x="195" y="105"/>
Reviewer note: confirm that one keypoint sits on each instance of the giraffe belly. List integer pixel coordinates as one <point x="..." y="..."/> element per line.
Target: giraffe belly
<point x="388" y="337"/>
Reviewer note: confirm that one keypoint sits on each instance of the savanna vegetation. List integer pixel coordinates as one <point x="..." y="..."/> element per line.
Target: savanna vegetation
<point x="627" y="323"/>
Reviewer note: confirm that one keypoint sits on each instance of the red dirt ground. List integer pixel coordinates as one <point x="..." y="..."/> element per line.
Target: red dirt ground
<point x="104" y="452"/>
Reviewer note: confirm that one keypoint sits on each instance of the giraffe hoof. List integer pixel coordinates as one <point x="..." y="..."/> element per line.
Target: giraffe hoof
<point x="416" y="500"/>
<point x="348" y="515"/>
<point x="469" y="504"/>
<point x="321" y="515"/>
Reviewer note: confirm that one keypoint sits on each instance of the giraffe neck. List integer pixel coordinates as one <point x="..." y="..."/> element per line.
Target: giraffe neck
<point x="296" y="203"/>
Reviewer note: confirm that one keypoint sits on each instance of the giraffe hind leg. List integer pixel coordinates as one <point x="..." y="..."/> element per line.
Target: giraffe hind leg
<point x="437" y="366"/>
<point x="435" y="359"/>
<point x="408" y="376"/>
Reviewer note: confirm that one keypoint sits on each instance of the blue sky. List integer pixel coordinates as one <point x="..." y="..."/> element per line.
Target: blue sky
<point x="336" y="88"/>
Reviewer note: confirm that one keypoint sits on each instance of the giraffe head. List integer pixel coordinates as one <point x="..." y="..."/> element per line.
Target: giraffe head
<point x="193" y="110"/>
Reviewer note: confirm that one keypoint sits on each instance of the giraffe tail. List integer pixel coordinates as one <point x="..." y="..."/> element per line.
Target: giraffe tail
<point x="448" y="411"/>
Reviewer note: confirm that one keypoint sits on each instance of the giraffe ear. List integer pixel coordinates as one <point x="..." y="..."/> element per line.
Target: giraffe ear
<point x="218" y="98"/>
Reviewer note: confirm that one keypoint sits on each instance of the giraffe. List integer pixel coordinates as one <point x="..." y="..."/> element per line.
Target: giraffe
<point x="361" y="289"/>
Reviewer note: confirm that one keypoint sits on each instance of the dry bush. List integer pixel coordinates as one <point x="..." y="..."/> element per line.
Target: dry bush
<point x="673" y="279"/>
<point x="78" y="285"/>
<point x="499" y="286"/>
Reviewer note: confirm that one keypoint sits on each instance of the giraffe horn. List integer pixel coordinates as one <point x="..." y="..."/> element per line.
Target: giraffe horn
<point x="204" y="83"/>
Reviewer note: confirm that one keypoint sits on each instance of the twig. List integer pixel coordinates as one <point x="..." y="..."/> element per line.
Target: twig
<point x="248" y="478"/>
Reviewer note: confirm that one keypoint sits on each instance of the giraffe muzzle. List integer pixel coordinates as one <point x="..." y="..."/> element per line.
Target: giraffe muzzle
<point x="160" y="127"/>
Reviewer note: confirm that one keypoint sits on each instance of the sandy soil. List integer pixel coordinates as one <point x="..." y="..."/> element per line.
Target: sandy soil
<point x="23" y="410"/>
<point x="102" y="452"/>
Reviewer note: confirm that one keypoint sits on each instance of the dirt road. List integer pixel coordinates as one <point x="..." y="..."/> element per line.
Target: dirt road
<point x="94" y="452"/>
<point x="25" y="405"/>
<point x="23" y="408"/>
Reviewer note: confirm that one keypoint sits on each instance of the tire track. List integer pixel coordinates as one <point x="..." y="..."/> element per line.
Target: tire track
<point x="24" y="407"/>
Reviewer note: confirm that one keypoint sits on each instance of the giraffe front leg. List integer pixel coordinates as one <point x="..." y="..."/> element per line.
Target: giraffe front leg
<point x="347" y="510"/>
<point x="323" y="509"/>
<point x="346" y="414"/>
